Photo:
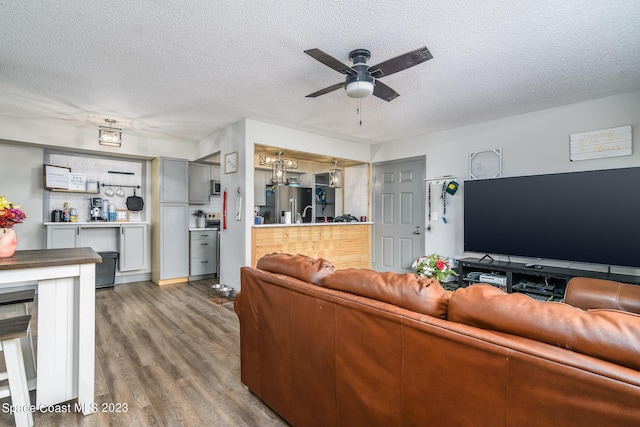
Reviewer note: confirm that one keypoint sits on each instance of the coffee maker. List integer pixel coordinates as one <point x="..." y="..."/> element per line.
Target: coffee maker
<point x="95" y="208"/>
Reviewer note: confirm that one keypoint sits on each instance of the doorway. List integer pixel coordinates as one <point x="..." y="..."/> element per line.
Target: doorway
<point x="398" y="214"/>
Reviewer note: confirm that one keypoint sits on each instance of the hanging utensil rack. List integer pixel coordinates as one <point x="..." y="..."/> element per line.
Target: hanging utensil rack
<point x="118" y="185"/>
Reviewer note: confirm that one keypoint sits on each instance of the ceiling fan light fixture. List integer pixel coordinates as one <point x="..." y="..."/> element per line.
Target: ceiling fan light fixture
<point x="360" y="87"/>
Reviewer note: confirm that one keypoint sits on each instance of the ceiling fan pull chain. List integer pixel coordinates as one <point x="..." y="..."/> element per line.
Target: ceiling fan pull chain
<point x="359" y="110"/>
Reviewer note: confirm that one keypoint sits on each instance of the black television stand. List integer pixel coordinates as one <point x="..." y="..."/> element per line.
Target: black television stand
<point x="541" y="283"/>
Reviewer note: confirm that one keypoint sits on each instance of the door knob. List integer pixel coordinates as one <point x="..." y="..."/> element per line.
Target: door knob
<point x="417" y="231"/>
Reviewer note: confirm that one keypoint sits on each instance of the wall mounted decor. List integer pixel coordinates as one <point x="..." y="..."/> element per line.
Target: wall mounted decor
<point x="231" y="162"/>
<point x="485" y="164"/>
<point x="601" y="143"/>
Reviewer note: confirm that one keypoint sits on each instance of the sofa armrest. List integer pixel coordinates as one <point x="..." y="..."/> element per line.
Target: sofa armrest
<point x="587" y="293"/>
<point x="236" y="303"/>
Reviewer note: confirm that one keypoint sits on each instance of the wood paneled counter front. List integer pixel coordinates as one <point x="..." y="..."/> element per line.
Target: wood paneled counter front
<point x="345" y="244"/>
<point x="66" y="320"/>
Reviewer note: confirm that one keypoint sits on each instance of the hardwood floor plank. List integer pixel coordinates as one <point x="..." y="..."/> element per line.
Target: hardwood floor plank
<point x="170" y="356"/>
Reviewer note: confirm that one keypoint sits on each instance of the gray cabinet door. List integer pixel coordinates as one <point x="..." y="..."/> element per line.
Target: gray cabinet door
<point x="62" y="236"/>
<point x="133" y="247"/>
<point x="199" y="183"/>
<point x="174" y="241"/>
<point x="174" y="180"/>
<point x="260" y="184"/>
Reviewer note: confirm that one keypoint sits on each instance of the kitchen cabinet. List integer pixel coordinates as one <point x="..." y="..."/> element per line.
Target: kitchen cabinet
<point x="174" y="180"/>
<point x="215" y="172"/>
<point x="133" y="247"/>
<point x="169" y="220"/>
<point x="261" y="180"/>
<point x="199" y="183"/>
<point x="63" y="236"/>
<point x="203" y="248"/>
<point x="130" y="240"/>
<point x="174" y="250"/>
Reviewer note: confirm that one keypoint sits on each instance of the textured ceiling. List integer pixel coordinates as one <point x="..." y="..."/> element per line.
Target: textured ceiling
<point x="188" y="69"/>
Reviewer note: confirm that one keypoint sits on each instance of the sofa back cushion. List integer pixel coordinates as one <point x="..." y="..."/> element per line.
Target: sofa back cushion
<point x="587" y="293"/>
<point x="606" y="334"/>
<point x="404" y="290"/>
<point x="301" y="267"/>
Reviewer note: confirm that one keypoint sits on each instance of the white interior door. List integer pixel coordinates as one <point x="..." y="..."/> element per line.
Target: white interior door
<point x="398" y="214"/>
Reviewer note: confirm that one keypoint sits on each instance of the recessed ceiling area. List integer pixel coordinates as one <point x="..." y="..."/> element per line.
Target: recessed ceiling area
<point x="185" y="70"/>
<point x="265" y="150"/>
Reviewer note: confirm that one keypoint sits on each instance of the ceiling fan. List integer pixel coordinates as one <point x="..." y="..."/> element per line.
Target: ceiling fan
<point x="363" y="80"/>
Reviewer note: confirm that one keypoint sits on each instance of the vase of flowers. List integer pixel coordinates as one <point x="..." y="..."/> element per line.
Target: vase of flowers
<point x="433" y="266"/>
<point x="9" y="216"/>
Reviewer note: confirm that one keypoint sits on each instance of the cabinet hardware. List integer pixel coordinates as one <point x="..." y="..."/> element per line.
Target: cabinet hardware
<point x="204" y="244"/>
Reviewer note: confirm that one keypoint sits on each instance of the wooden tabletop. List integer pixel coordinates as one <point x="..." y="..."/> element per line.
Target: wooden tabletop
<point x="49" y="258"/>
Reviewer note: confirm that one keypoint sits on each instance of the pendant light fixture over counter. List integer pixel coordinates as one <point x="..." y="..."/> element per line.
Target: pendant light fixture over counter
<point x="335" y="176"/>
<point x="279" y="167"/>
<point x="109" y="135"/>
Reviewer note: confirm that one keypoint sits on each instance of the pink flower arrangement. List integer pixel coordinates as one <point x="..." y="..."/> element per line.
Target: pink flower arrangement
<point x="10" y="214"/>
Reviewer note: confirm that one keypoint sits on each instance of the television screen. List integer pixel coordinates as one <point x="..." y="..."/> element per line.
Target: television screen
<point x="591" y="216"/>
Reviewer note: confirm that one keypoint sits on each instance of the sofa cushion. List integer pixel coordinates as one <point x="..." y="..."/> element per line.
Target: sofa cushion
<point x="606" y="334"/>
<point x="405" y="290"/>
<point x="301" y="267"/>
<point x="587" y="293"/>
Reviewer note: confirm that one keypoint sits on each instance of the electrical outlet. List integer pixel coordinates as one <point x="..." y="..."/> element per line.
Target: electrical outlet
<point x="434" y="216"/>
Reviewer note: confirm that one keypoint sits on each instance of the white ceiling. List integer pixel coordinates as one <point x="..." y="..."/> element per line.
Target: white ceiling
<point x="188" y="69"/>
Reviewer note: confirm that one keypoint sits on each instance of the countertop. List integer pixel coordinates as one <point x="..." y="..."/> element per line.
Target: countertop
<point x="97" y="223"/>
<point x="307" y="224"/>
<point x="49" y="258"/>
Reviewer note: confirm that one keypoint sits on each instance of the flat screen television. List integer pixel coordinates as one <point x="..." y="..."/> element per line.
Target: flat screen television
<point x="591" y="217"/>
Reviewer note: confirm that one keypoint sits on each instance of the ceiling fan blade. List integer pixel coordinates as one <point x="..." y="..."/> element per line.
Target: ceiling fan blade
<point x="330" y="61"/>
<point x="384" y="92"/>
<point x="400" y="63"/>
<point x="326" y="90"/>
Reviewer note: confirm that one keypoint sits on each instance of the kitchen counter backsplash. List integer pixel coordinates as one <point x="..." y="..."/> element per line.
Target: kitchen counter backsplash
<point x="97" y="169"/>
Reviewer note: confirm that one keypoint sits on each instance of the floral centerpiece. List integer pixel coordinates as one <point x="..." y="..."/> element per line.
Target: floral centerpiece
<point x="433" y="266"/>
<point x="9" y="216"/>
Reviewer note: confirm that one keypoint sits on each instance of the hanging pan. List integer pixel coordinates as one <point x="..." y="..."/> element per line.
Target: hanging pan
<point x="135" y="203"/>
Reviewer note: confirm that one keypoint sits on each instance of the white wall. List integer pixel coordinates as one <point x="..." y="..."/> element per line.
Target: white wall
<point x="21" y="184"/>
<point x="86" y="139"/>
<point x="235" y="242"/>
<point x="533" y="143"/>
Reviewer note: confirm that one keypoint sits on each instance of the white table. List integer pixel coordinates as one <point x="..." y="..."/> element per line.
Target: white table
<point x="66" y="320"/>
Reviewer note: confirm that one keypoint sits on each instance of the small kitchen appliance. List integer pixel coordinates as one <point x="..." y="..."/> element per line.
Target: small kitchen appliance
<point x="95" y="208"/>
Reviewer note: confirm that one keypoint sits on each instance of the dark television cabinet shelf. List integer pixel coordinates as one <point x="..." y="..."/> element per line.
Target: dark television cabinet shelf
<point x="540" y="282"/>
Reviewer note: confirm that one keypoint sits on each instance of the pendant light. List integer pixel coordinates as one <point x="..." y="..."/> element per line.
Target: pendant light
<point x="335" y="176"/>
<point x="109" y="135"/>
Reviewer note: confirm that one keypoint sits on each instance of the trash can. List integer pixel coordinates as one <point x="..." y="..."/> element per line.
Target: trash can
<point x="106" y="270"/>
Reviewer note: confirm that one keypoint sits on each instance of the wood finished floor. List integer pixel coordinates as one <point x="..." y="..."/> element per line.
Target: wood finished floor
<point x="171" y="356"/>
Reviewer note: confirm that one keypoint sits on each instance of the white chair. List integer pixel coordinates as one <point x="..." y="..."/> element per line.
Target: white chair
<point x="17" y="303"/>
<point x="11" y="331"/>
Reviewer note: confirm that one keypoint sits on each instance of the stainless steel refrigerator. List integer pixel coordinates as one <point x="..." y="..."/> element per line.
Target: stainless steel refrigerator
<point x="283" y="198"/>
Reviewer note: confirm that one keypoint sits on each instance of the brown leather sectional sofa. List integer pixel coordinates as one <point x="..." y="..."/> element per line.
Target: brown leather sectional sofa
<point x="361" y="348"/>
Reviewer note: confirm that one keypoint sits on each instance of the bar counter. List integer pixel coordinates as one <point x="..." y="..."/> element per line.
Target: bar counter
<point x="344" y="244"/>
<point x="66" y="320"/>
